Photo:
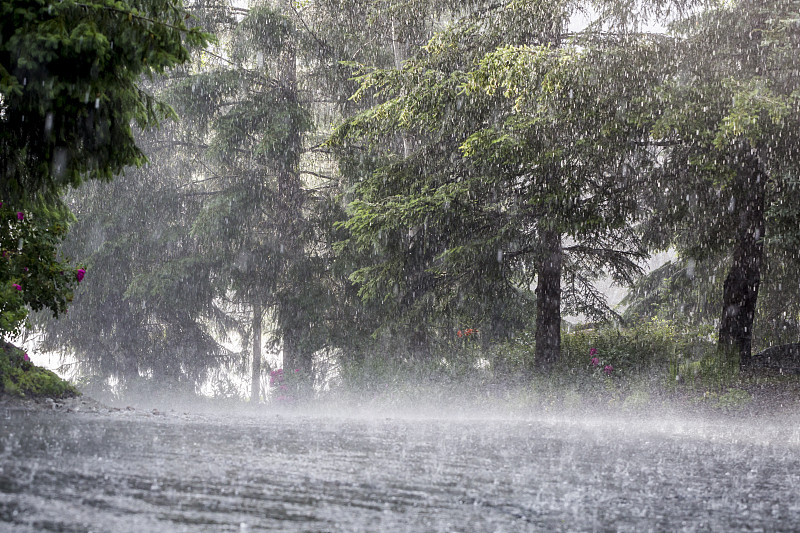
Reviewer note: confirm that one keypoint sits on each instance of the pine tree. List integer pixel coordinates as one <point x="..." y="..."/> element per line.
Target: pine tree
<point x="521" y="170"/>
<point x="728" y="118"/>
<point x="69" y="92"/>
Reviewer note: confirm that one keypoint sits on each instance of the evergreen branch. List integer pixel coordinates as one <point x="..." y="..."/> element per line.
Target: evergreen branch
<point x="132" y="14"/>
<point x="325" y="46"/>
<point x="317" y="175"/>
<point x="595" y="250"/>
<point x="167" y="144"/>
<point x="677" y="142"/>
<point x="601" y="33"/>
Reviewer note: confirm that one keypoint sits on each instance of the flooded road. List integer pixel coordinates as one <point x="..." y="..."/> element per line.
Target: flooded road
<point x="124" y="471"/>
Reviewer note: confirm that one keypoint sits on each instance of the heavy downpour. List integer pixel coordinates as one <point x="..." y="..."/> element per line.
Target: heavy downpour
<point x="399" y="265"/>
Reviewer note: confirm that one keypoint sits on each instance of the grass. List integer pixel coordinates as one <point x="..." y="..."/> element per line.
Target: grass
<point x="657" y="365"/>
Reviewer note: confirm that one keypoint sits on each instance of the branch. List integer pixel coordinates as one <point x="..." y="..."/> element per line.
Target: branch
<point x="582" y="248"/>
<point x="614" y="34"/>
<point x="677" y="142"/>
<point x="131" y="14"/>
<point x="322" y="44"/>
<point x="317" y="175"/>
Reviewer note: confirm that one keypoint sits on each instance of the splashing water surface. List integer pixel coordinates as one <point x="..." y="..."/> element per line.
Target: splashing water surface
<point x="128" y="472"/>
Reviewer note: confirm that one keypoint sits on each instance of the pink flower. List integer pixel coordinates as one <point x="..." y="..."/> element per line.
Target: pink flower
<point x="17" y="286"/>
<point x="20" y="215"/>
<point x="81" y="272"/>
<point x="25" y="357"/>
<point x="593" y="351"/>
<point x="595" y="361"/>
<point x="297" y="370"/>
<point x="608" y="369"/>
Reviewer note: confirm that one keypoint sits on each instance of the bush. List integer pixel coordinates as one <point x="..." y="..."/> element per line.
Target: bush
<point x="654" y="346"/>
<point x="19" y="377"/>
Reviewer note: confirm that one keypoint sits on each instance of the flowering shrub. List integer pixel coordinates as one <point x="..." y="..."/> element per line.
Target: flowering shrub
<point x="595" y="363"/>
<point x="648" y="347"/>
<point x="283" y="387"/>
<point x="32" y="276"/>
<point x="20" y="377"/>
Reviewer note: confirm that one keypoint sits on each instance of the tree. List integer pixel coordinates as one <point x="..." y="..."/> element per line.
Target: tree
<point x="151" y="309"/>
<point x="68" y="95"/>
<point x="268" y="192"/>
<point x="196" y="241"/>
<point x="728" y="116"/>
<point x="69" y="76"/>
<point x="521" y="170"/>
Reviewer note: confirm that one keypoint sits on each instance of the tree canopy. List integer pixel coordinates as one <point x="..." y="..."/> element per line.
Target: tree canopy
<point x="69" y="97"/>
<point x="367" y="178"/>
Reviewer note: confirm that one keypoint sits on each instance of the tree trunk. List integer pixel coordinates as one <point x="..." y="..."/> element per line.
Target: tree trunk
<point x="129" y="371"/>
<point x="419" y="345"/>
<point x="297" y="366"/>
<point x="740" y="291"/>
<point x="255" y="383"/>
<point x="548" y="303"/>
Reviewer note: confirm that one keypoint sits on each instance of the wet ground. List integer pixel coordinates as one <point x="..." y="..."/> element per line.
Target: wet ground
<point x="143" y="472"/>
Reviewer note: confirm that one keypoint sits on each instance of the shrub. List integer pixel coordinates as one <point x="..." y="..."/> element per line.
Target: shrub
<point x="20" y="377"/>
<point x="653" y="346"/>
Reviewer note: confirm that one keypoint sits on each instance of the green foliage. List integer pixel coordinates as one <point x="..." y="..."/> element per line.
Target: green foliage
<point x="478" y="145"/>
<point x="68" y="88"/>
<point x="148" y="306"/>
<point x="688" y="291"/>
<point x="646" y="348"/>
<point x="262" y="35"/>
<point x="683" y="291"/>
<point x="727" y="113"/>
<point x="32" y="275"/>
<point x="19" y="377"/>
<point x="69" y="95"/>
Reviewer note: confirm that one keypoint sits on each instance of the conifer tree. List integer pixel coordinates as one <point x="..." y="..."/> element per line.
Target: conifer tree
<point x="520" y="172"/>
<point x="69" y="93"/>
<point x="728" y="117"/>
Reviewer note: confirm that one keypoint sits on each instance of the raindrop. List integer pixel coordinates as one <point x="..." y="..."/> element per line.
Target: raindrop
<point x="59" y="161"/>
<point x="97" y="103"/>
